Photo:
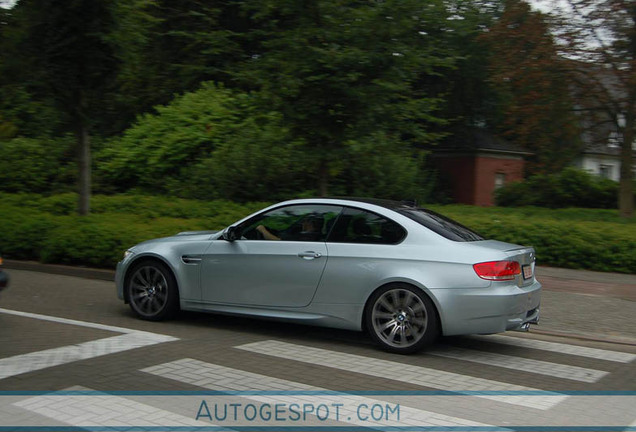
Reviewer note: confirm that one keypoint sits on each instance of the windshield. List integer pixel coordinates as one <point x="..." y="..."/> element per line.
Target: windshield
<point x="440" y="224"/>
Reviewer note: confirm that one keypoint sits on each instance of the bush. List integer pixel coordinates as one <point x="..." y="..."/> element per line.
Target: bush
<point x="99" y="240"/>
<point x="45" y="228"/>
<point x="33" y="165"/>
<point x="206" y="144"/>
<point x="23" y="231"/>
<point x="381" y="167"/>
<point x="570" y="188"/>
<point x="42" y="228"/>
<point x="570" y="238"/>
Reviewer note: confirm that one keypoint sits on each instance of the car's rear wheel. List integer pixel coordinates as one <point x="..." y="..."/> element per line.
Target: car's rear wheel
<point x="401" y="318"/>
<point x="152" y="291"/>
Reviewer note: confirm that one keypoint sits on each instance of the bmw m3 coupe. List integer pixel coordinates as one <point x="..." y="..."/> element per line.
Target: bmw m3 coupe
<point x="402" y="273"/>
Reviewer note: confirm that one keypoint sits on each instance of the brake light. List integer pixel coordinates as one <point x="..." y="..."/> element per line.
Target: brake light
<point x="498" y="270"/>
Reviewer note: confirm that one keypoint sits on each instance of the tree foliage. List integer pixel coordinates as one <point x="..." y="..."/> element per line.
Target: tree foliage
<point x="599" y="39"/>
<point x="312" y="96"/>
<point x="340" y="71"/>
<point x="205" y="144"/>
<point x="535" y="101"/>
<point x="63" y="47"/>
<point x="169" y="47"/>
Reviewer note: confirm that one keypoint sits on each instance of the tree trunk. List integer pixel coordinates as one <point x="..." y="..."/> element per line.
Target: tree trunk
<point x="84" y="165"/>
<point x="323" y="178"/>
<point x="626" y="190"/>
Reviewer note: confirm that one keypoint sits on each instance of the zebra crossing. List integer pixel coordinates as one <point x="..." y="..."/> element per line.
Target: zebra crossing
<point x="447" y="400"/>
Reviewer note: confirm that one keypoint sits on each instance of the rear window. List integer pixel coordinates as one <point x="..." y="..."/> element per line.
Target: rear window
<point x="440" y="224"/>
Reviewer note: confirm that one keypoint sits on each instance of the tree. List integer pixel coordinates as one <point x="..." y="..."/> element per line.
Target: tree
<point x="169" y="47"/>
<point x="341" y="71"/>
<point x="599" y="39"/>
<point x="530" y="82"/>
<point x="211" y="143"/>
<point x="64" y="48"/>
<point x="472" y="99"/>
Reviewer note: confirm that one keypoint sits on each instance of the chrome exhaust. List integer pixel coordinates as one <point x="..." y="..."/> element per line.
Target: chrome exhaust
<point x="523" y="327"/>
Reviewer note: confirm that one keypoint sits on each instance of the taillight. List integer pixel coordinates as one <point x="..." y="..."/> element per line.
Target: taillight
<point x="498" y="270"/>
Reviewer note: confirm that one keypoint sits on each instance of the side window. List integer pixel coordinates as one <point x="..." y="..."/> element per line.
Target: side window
<point x="292" y="223"/>
<point x="360" y="226"/>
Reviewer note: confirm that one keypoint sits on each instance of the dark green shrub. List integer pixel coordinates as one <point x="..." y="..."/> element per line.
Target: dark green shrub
<point x="570" y="188"/>
<point x="208" y="144"/>
<point x="23" y="231"/>
<point x="36" y="165"/>
<point x="33" y="227"/>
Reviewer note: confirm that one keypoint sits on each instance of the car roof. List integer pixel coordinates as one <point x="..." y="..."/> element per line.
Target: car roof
<point x="390" y="204"/>
<point x="386" y="203"/>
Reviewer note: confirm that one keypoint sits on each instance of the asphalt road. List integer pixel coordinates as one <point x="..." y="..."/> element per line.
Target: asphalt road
<point x="64" y="333"/>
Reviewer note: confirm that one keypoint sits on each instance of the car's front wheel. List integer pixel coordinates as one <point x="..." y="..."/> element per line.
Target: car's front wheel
<point x="152" y="291"/>
<point x="401" y="318"/>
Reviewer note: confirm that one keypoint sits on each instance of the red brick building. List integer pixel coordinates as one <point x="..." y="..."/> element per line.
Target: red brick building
<point x="476" y="163"/>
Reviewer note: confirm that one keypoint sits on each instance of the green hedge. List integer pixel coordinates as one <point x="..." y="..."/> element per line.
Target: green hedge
<point x="42" y="228"/>
<point x="577" y="238"/>
<point x="571" y="187"/>
<point x="46" y="229"/>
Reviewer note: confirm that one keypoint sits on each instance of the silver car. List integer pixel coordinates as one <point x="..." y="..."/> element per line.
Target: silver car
<point x="404" y="274"/>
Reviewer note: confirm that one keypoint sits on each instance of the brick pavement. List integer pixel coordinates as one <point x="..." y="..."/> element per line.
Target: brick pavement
<point x="346" y="361"/>
<point x="586" y="304"/>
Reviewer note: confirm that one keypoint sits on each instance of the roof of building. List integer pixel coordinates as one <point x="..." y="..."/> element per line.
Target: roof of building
<point x="477" y="139"/>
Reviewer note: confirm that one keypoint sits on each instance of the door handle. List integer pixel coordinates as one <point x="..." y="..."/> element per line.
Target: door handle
<point x="309" y="255"/>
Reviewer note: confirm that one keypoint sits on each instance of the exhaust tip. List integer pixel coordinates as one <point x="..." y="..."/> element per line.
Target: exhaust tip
<point x="523" y="327"/>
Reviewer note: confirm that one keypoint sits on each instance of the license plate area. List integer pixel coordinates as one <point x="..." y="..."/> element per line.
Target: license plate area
<point x="527" y="272"/>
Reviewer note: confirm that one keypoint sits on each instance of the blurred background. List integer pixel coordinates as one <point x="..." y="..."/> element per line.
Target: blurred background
<point x="125" y="119"/>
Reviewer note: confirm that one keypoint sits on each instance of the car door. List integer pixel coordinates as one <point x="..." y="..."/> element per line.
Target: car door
<point x="362" y="252"/>
<point x="281" y="270"/>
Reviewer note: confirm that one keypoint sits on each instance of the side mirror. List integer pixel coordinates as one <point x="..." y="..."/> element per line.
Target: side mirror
<point x="230" y="234"/>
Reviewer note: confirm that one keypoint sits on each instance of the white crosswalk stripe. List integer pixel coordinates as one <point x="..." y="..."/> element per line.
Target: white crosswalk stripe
<point x="557" y="370"/>
<point x="418" y="375"/>
<point x="595" y="353"/>
<point x="39" y="360"/>
<point x="217" y="377"/>
<point x="33" y="361"/>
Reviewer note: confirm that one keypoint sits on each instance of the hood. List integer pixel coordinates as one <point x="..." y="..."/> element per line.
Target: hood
<point x="190" y="233"/>
<point x="184" y="236"/>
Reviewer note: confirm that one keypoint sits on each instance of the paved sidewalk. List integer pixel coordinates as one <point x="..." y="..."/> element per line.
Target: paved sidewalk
<point x="575" y="303"/>
<point x="588" y="305"/>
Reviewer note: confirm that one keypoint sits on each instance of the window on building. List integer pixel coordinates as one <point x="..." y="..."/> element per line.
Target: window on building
<point x="614" y="140"/>
<point x="500" y="180"/>
<point x="605" y="171"/>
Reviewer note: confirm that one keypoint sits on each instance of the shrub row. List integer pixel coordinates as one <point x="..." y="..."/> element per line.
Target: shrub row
<point x="569" y="188"/>
<point x="45" y="229"/>
<point x="570" y="238"/>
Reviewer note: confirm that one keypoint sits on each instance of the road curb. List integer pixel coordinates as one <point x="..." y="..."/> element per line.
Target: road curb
<point x="586" y="337"/>
<point x="82" y="272"/>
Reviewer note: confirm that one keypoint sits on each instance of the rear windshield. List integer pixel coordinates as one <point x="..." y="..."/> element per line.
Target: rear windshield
<point x="440" y="224"/>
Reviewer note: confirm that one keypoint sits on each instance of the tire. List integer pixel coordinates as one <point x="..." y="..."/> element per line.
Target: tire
<point x="401" y="318"/>
<point x="152" y="291"/>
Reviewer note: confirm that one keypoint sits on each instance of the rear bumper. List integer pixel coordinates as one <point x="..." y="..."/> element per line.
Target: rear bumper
<point x="495" y="309"/>
<point x="4" y="280"/>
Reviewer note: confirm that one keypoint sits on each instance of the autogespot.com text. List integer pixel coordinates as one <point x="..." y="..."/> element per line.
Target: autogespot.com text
<point x="297" y="412"/>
